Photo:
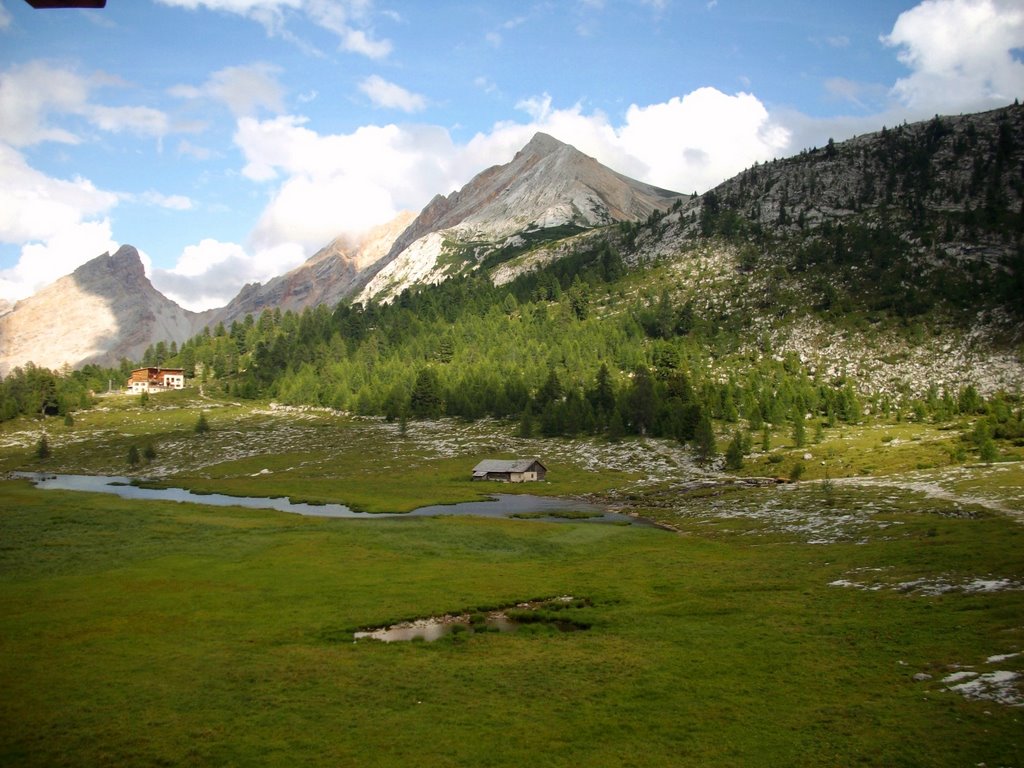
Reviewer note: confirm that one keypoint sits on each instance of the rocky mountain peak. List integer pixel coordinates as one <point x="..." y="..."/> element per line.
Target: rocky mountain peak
<point x="104" y="310"/>
<point x="548" y="185"/>
<point x="542" y="144"/>
<point x="124" y="267"/>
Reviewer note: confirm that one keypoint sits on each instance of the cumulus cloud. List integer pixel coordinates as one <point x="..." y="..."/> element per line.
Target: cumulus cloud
<point x="728" y="133"/>
<point x="211" y="273"/>
<point x="347" y="19"/>
<point x="243" y="89"/>
<point x="387" y="94"/>
<point x="58" y="223"/>
<point x="342" y="182"/>
<point x="961" y="54"/>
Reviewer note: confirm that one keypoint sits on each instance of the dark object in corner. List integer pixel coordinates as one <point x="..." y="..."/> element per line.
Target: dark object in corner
<point x="37" y="4"/>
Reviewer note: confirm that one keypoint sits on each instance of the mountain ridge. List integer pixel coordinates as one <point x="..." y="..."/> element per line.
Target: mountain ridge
<point x="946" y="193"/>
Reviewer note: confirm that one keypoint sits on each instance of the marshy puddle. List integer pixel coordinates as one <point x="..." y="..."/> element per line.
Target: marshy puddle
<point x="501" y="620"/>
<point x="500" y="505"/>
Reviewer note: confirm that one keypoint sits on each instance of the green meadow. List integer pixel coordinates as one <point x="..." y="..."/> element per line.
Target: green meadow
<point x="821" y="623"/>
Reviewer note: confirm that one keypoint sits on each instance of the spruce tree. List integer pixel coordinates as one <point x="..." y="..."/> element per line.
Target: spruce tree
<point x="734" y="453"/>
<point x="526" y="424"/>
<point x="426" y="400"/>
<point x="43" y="448"/>
<point x="202" y="426"/>
<point x="704" y="444"/>
<point x="799" y="430"/>
<point x="133" y="457"/>
<point x="616" y="429"/>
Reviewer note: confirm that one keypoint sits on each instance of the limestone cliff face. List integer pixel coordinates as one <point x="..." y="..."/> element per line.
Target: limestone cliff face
<point x="105" y="310"/>
<point x="327" y="277"/>
<point x="548" y="184"/>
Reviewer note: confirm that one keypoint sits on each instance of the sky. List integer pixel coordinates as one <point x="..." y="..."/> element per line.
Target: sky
<point x="229" y="140"/>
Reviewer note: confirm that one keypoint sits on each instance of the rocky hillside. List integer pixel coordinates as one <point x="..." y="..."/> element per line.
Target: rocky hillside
<point x="330" y="275"/>
<point x="949" y="180"/>
<point x="105" y="310"/>
<point x="547" y="191"/>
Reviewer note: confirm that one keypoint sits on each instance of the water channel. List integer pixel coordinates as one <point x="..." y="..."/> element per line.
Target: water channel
<point x="500" y="505"/>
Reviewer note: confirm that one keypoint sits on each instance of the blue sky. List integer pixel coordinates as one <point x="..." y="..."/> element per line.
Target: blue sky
<point x="229" y="139"/>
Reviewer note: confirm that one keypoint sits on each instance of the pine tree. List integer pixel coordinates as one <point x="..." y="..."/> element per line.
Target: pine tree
<point x="43" y="448"/>
<point x="799" y="430"/>
<point x="149" y="452"/>
<point x="616" y="429"/>
<point x="526" y="424"/>
<point x="133" y="457"/>
<point x="202" y="426"/>
<point x="704" y="444"/>
<point x="734" y="453"/>
<point x="987" y="450"/>
<point x="426" y="400"/>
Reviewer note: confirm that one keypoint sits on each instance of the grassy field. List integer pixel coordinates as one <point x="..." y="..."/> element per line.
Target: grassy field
<point x="809" y="625"/>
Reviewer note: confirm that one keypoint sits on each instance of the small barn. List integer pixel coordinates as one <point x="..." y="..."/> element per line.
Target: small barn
<point x="510" y="470"/>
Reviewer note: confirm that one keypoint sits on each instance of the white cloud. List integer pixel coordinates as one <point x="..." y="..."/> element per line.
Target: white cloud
<point x="34" y="206"/>
<point x="341" y="182"/>
<point x="357" y="41"/>
<point x="244" y="89"/>
<point x="5" y="17"/>
<point x="485" y="84"/>
<point x="171" y="202"/>
<point x="142" y="120"/>
<point x="211" y="273"/>
<point x="707" y="136"/>
<point x="58" y="223"/>
<point x="336" y="16"/>
<point x="30" y="93"/>
<point x="387" y="94"/>
<point x="33" y="94"/>
<point x="960" y="53"/>
<point x="186" y="147"/>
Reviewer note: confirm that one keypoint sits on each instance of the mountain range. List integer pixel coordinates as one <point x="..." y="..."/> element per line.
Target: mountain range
<point x="107" y="309"/>
<point x="947" y="191"/>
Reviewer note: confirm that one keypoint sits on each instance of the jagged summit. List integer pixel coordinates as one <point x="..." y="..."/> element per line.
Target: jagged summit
<point x="104" y="310"/>
<point x="124" y="266"/>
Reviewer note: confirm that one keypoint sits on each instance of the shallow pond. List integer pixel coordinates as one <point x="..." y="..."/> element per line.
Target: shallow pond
<point x="436" y="627"/>
<point x="501" y="504"/>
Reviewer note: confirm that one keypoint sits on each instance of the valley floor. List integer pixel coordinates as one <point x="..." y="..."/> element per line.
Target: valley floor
<point x="871" y="613"/>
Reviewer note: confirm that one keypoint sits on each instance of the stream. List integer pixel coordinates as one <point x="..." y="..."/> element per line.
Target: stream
<point x="500" y="505"/>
